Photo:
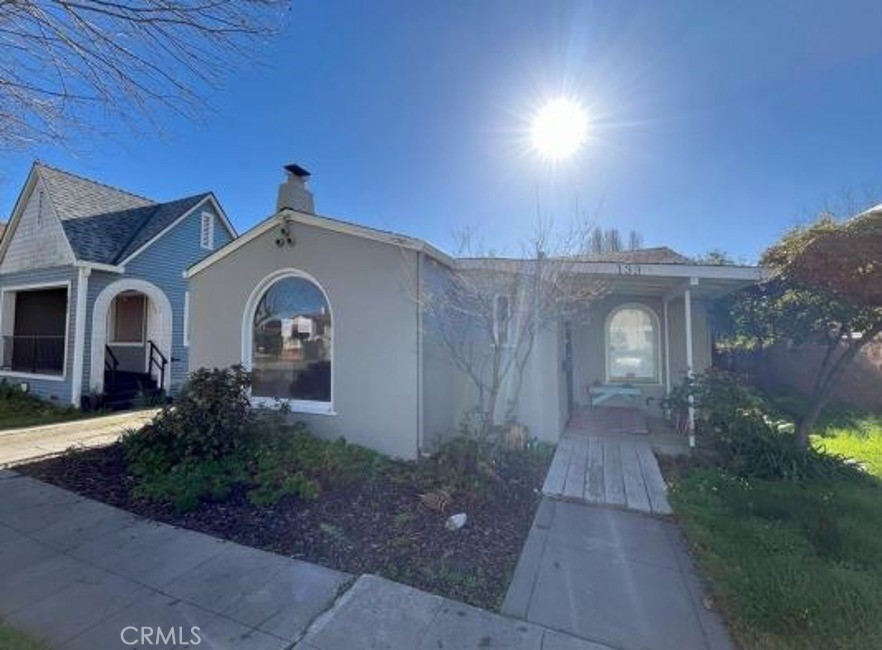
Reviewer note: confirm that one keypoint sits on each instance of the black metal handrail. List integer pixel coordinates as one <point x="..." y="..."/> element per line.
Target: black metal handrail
<point x="39" y="354"/>
<point x="160" y="363"/>
<point x="112" y="365"/>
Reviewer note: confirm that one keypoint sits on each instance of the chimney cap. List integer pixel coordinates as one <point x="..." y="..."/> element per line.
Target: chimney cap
<point x="297" y="171"/>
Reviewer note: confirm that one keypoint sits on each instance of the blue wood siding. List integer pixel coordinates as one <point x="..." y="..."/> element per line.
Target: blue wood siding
<point x="50" y="389"/>
<point x="163" y="264"/>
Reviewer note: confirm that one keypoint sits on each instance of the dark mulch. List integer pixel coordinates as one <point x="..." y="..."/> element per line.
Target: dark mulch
<point x="374" y="526"/>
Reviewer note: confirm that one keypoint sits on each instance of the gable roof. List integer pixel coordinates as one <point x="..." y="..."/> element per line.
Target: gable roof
<point x="112" y="237"/>
<point x="75" y="197"/>
<point x="104" y="224"/>
<point x="328" y="223"/>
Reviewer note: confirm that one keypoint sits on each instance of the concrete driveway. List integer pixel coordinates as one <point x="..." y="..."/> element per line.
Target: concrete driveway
<point x="31" y="443"/>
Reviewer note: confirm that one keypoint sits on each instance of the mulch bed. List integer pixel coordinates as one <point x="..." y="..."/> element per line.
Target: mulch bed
<point x="374" y="526"/>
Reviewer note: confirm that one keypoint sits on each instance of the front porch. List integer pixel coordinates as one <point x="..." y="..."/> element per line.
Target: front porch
<point x="34" y="331"/>
<point x="606" y="457"/>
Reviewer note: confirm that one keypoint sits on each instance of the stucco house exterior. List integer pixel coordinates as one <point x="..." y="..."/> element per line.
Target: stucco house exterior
<point x="328" y="315"/>
<point x="92" y="294"/>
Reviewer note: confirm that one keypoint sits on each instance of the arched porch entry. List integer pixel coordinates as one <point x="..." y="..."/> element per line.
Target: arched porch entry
<point x="131" y="323"/>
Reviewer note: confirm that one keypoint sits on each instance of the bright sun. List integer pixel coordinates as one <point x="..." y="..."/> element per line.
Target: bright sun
<point x="559" y="129"/>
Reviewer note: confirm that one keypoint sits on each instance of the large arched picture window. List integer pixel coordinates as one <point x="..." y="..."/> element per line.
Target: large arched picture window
<point x="632" y="345"/>
<point x="292" y="342"/>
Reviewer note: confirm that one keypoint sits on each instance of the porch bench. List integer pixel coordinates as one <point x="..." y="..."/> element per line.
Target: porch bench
<point x="600" y="394"/>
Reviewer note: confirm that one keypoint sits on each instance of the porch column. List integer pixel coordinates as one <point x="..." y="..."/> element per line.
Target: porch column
<point x="79" y="342"/>
<point x="665" y="302"/>
<point x="687" y="314"/>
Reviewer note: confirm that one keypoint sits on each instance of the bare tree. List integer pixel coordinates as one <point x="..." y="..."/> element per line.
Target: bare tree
<point x="68" y="64"/>
<point x="487" y="312"/>
<point x="611" y="240"/>
<point x="635" y="240"/>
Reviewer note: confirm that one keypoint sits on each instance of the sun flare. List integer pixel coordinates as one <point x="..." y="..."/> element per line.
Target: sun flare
<point x="559" y="129"/>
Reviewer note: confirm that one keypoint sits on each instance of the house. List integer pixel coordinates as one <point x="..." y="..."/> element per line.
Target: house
<point x="92" y="294"/>
<point x="379" y="376"/>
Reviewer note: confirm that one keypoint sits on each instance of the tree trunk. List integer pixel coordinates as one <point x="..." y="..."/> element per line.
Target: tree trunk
<point x="827" y="380"/>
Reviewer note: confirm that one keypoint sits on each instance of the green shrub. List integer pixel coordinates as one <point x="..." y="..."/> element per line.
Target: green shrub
<point x="746" y="432"/>
<point x="191" y="482"/>
<point x="211" y="418"/>
<point x="291" y="461"/>
<point x="195" y="448"/>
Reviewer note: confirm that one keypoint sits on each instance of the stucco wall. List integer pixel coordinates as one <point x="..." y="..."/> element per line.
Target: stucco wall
<point x="443" y="385"/>
<point x="589" y="345"/>
<point x="369" y="287"/>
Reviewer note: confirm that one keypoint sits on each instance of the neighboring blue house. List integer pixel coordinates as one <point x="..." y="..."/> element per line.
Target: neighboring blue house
<point x="93" y="298"/>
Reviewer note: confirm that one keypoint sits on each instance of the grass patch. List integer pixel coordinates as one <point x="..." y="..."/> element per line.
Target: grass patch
<point x="12" y="639"/>
<point x="18" y="409"/>
<point x="857" y="436"/>
<point x="793" y="564"/>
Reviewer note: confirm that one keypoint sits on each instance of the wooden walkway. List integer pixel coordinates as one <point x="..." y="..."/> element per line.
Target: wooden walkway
<point x="607" y="470"/>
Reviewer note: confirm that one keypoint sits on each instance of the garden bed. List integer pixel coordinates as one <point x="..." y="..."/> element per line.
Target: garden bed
<point x="375" y="524"/>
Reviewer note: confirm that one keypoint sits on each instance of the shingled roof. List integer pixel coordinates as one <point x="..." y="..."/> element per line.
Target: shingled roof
<point x="75" y="197"/>
<point x="110" y="238"/>
<point x="657" y="255"/>
<point x="105" y="224"/>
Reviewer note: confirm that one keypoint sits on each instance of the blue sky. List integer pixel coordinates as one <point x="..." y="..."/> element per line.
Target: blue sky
<point x="713" y="124"/>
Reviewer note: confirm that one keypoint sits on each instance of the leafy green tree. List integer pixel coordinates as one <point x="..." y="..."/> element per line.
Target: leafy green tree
<point x="824" y="287"/>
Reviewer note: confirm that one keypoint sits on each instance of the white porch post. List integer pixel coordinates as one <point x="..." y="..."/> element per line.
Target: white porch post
<point x="667" y="347"/>
<point x="687" y="309"/>
<point x="79" y="342"/>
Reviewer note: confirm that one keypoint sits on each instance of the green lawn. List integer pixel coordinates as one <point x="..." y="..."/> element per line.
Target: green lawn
<point x="20" y="410"/>
<point x="11" y="639"/>
<point x="858" y="437"/>
<point x="794" y="564"/>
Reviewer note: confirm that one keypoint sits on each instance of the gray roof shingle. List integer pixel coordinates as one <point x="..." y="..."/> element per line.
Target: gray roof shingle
<point x="105" y="224"/>
<point x="75" y="197"/>
<point x="110" y="238"/>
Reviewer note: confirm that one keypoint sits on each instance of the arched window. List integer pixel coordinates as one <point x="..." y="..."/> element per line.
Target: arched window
<point x="291" y="342"/>
<point x="632" y="345"/>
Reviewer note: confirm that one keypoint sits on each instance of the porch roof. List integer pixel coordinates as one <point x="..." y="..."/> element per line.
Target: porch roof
<point x="667" y="280"/>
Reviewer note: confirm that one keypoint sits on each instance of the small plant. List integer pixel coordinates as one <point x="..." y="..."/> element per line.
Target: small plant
<point x="191" y="482"/>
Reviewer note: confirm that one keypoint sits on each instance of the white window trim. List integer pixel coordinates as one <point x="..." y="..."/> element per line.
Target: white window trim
<point x="656" y="380"/>
<point x="296" y="405"/>
<point x="29" y="287"/>
<point x="206" y="237"/>
<point x="186" y="319"/>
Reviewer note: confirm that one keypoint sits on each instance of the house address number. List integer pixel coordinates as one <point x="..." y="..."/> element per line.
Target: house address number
<point x="630" y="269"/>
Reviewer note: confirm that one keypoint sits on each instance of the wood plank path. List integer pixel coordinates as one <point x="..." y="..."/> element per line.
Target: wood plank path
<point x="608" y="471"/>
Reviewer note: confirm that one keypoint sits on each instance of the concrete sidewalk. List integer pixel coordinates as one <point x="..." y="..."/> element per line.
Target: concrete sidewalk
<point x="613" y="577"/>
<point x="32" y="443"/>
<point x="79" y="574"/>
